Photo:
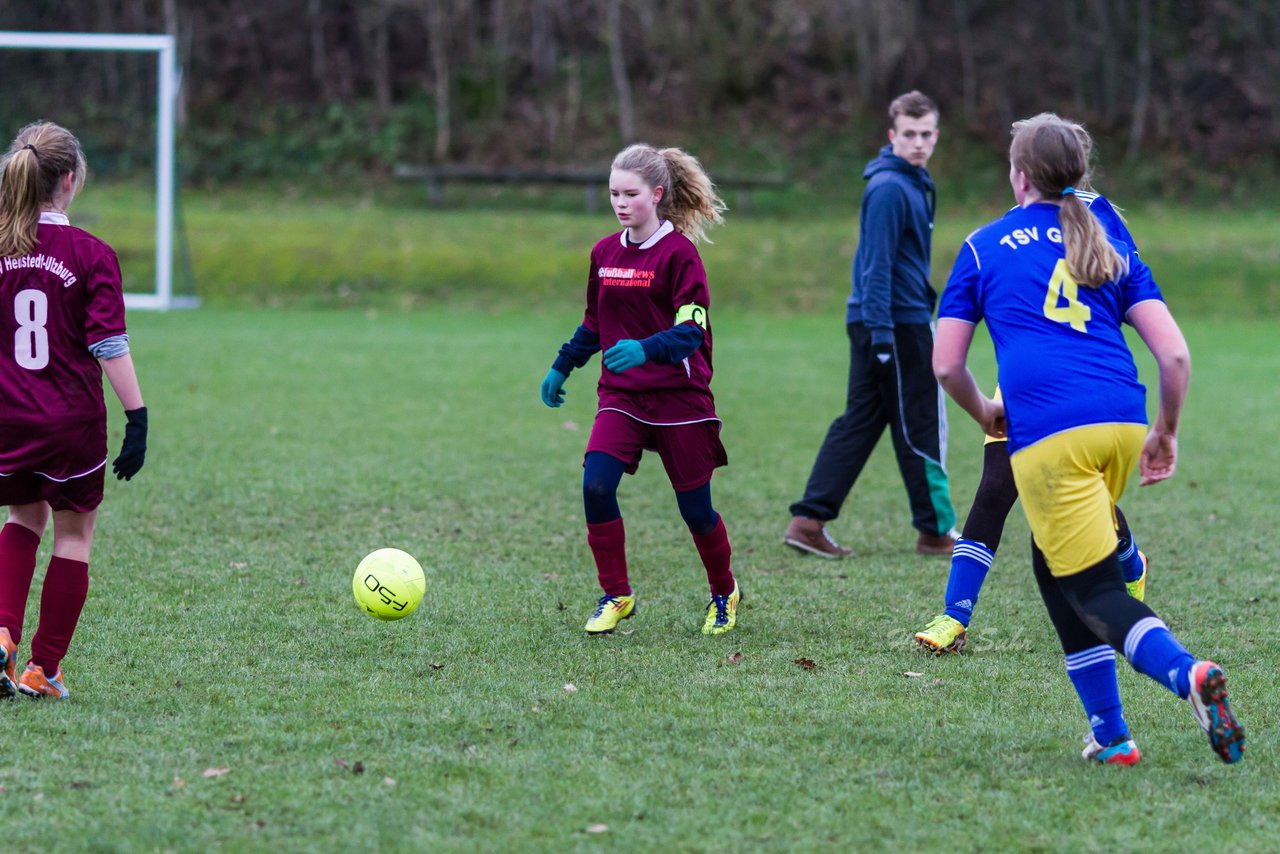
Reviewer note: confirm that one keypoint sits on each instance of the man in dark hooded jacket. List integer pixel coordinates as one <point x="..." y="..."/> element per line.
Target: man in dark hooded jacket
<point x="890" y="326"/>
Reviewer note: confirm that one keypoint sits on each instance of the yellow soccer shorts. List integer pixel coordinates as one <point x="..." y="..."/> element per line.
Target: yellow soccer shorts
<point x="1069" y="484"/>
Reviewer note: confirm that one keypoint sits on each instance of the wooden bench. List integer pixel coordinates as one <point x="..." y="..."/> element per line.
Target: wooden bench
<point x="593" y="181"/>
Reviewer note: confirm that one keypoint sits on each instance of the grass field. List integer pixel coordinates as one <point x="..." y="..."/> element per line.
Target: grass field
<point x="229" y="696"/>
<point x="383" y="248"/>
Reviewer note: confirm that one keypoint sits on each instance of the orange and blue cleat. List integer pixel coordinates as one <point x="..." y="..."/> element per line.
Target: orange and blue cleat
<point x="1209" y="702"/>
<point x="8" y="666"/>
<point x="1121" y="751"/>
<point x="33" y="683"/>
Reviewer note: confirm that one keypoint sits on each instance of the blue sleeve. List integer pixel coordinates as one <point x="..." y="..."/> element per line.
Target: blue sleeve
<point x="884" y="217"/>
<point x="1137" y="285"/>
<point x="962" y="297"/>
<point x="1111" y="221"/>
<point x="577" y="351"/>
<point x="672" y="345"/>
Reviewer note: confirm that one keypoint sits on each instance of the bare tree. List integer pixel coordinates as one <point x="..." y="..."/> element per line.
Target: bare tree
<point x="1142" y="94"/>
<point x="437" y="21"/>
<point x="618" y="66"/>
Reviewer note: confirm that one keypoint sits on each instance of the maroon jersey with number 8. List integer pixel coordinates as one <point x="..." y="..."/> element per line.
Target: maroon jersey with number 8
<point x="55" y="302"/>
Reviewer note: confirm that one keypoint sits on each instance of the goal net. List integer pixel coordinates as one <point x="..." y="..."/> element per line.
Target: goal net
<point x="118" y="95"/>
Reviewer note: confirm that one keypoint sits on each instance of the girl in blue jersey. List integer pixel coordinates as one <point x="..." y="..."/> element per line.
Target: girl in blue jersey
<point x="1054" y="291"/>
<point x="983" y="529"/>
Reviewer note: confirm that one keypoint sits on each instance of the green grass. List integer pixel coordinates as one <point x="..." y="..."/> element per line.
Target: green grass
<point x="385" y="248"/>
<point x="221" y="631"/>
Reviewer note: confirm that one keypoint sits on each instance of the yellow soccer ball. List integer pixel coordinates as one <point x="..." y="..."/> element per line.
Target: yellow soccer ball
<point x="388" y="584"/>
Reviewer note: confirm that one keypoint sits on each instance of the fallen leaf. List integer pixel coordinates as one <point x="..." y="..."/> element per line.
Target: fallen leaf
<point x="341" y="763"/>
<point x="301" y="582"/>
<point x="388" y="781"/>
<point x="513" y="742"/>
<point x="805" y="663"/>
<point x="177" y="684"/>
<point x="235" y="564"/>
<point x="734" y="658"/>
<point x="179" y="783"/>
<point x="436" y="666"/>
<point x="571" y="426"/>
<point x="570" y="688"/>
<point x="550" y="576"/>
<point x="597" y="828"/>
<point x="237" y="798"/>
<point x="358" y="768"/>
<point x="80" y="784"/>
<point x="560" y="606"/>
<point x="911" y="673"/>
<point x="215" y="772"/>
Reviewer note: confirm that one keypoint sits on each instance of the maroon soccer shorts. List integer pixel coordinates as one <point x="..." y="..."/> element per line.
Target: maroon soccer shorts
<point x="689" y="452"/>
<point x="80" y="494"/>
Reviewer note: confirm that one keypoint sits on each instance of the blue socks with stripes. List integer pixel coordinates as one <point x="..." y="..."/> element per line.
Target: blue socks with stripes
<point x="1130" y="560"/>
<point x="1093" y="673"/>
<point x="1153" y="651"/>
<point x="969" y="564"/>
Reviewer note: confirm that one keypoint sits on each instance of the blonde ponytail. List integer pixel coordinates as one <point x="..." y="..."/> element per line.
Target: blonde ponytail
<point x="689" y="199"/>
<point x="37" y="159"/>
<point x="1054" y="155"/>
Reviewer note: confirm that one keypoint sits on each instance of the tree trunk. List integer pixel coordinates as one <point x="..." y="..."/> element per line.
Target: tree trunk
<point x="1142" y="95"/>
<point x="618" y="65"/>
<point x="183" y="48"/>
<point x="501" y="47"/>
<point x="437" y="20"/>
<point x="319" y="57"/>
<point x="372" y="20"/>
<point x="968" y="66"/>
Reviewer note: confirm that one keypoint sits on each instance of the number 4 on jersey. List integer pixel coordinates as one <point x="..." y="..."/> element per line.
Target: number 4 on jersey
<point x="1062" y="286"/>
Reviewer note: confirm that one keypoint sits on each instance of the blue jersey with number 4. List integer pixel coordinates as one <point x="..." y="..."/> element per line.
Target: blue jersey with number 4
<point x="1063" y="360"/>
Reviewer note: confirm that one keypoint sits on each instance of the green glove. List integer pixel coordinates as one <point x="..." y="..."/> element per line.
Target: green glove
<point x="553" y="388"/>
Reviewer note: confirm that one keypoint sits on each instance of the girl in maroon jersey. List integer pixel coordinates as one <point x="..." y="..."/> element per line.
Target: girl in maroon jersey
<point x="647" y="303"/>
<point x="61" y="328"/>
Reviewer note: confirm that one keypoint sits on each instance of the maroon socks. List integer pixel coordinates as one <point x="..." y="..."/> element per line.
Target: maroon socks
<point x="17" y="565"/>
<point x="714" y="549"/>
<point x="66" y="585"/>
<point x="608" y="542"/>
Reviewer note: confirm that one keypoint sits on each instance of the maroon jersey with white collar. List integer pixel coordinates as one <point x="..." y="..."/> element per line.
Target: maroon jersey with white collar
<point x="638" y="291"/>
<point x="63" y="296"/>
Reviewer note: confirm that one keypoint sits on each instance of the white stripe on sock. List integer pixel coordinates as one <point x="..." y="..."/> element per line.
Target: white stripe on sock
<point x="974" y="551"/>
<point x="1138" y="632"/>
<point x="1087" y="657"/>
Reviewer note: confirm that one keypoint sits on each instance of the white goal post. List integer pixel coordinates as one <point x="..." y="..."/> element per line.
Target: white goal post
<point x="165" y="48"/>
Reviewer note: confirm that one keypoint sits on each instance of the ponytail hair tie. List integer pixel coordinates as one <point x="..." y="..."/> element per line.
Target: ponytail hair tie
<point x="1069" y="191"/>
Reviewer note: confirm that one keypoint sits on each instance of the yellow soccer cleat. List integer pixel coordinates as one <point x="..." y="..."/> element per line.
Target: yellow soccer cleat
<point x="1138" y="589"/>
<point x="33" y="683"/>
<point x="942" y="634"/>
<point x="610" y="611"/>
<point x="722" y="612"/>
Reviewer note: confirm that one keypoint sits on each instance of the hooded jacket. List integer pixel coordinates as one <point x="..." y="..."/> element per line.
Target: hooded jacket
<point x="891" y="266"/>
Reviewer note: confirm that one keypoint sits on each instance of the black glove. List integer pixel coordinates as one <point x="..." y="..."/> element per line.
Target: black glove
<point x="883" y="356"/>
<point x="134" y="450"/>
